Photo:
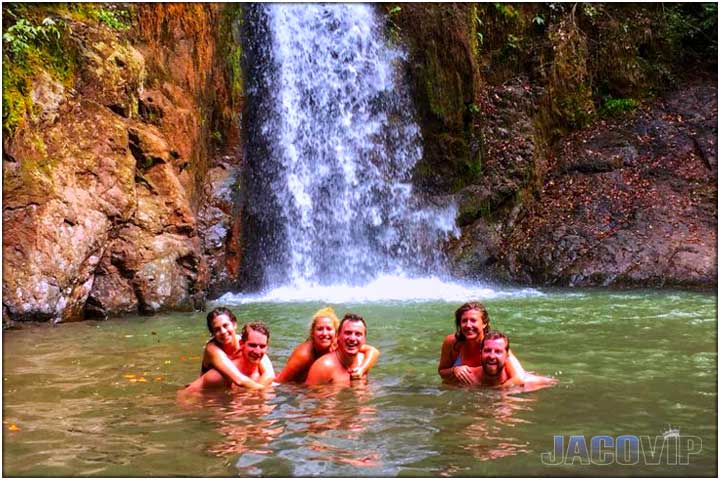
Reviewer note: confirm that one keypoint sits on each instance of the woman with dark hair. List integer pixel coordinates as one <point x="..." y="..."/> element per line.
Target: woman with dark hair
<point x="225" y="346"/>
<point x="460" y="353"/>
<point x="323" y="339"/>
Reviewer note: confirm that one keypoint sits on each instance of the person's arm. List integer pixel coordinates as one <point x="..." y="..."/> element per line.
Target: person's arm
<point x="300" y="360"/>
<point x="219" y="360"/>
<point x="514" y="368"/>
<point x="320" y="372"/>
<point x="370" y="358"/>
<point x="268" y="373"/>
<point x="447" y="371"/>
<point x="530" y="382"/>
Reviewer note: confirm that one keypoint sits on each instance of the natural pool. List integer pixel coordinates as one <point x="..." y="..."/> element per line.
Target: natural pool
<point x="98" y="398"/>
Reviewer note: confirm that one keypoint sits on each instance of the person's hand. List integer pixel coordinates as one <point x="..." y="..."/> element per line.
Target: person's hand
<point x="355" y="373"/>
<point x="464" y="374"/>
<point x="249" y="384"/>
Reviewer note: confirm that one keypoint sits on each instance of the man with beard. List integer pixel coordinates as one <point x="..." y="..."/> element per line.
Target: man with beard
<point x="494" y="357"/>
<point x="253" y="346"/>
<point x="336" y="367"/>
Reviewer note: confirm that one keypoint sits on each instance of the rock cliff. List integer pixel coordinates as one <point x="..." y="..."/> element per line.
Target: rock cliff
<point x="579" y="151"/>
<point x="119" y="180"/>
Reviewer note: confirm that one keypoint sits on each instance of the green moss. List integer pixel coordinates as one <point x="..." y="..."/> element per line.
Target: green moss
<point x="476" y="36"/>
<point x="392" y="29"/>
<point x="613" y="107"/>
<point x="231" y="20"/>
<point x="115" y="19"/>
<point x="33" y="44"/>
<point x="443" y="90"/>
<point x="112" y="15"/>
<point x="17" y="103"/>
<point x="237" y="80"/>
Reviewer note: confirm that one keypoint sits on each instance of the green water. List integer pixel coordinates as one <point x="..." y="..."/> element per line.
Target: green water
<point x="75" y="403"/>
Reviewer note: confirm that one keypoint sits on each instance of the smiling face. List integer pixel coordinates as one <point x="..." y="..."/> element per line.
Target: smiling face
<point x="223" y="329"/>
<point x="323" y="333"/>
<point x="255" y="346"/>
<point x="494" y="355"/>
<point x="351" y="337"/>
<point x="472" y="324"/>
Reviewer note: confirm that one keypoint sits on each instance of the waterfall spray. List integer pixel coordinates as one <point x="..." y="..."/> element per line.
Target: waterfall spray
<point x="332" y="146"/>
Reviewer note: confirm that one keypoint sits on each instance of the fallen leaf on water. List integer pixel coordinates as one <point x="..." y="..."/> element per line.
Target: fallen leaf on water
<point x="168" y="361"/>
<point x="142" y="380"/>
<point x="14" y="428"/>
<point x="129" y="375"/>
<point x="157" y="379"/>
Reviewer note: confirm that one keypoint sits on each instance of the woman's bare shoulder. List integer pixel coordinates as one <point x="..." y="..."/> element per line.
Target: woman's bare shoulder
<point x="304" y="351"/>
<point x="449" y="339"/>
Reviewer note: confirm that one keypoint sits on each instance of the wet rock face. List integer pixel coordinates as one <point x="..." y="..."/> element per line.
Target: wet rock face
<point x="99" y="212"/>
<point x="632" y="203"/>
<point x="60" y="200"/>
<point x="444" y="80"/>
<point x="220" y="221"/>
<point x="511" y="161"/>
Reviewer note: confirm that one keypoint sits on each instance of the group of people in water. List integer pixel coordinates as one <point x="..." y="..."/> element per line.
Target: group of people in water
<point x="335" y="352"/>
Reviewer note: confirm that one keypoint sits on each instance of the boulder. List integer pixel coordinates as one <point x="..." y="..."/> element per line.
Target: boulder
<point x="629" y="204"/>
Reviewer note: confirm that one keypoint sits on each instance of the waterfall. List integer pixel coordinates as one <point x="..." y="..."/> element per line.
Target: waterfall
<point x="332" y="143"/>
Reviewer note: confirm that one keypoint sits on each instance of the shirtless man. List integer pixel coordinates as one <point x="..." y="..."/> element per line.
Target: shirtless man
<point x="253" y="345"/>
<point x="335" y="367"/>
<point x="494" y="357"/>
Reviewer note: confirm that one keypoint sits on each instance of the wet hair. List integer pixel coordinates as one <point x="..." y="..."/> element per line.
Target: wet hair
<point x="495" y="335"/>
<point x="216" y="312"/>
<point x="258" y="327"/>
<point x="351" y="317"/>
<point x="326" y="312"/>
<point x="466" y="307"/>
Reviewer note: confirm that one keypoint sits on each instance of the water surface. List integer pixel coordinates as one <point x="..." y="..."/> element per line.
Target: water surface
<point x="98" y="398"/>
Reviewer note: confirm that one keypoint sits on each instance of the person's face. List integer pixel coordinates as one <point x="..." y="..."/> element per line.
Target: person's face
<point x="472" y="325"/>
<point x="494" y="356"/>
<point x="223" y="329"/>
<point x="255" y="346"/>
<point x="323" y="333"/>
<point x="352" y="337"/>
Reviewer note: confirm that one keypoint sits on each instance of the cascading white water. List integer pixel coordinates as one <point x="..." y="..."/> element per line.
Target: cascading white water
<point x="331" y="146"/>
<point x="342" y="132"/>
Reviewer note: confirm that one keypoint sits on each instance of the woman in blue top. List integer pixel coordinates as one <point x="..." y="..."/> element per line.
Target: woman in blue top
<point x="460" y="353"/>
<point x="224" y="347"/>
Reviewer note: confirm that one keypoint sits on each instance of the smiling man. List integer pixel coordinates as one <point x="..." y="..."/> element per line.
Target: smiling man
<point x="254" y="343"/>
<point x="336" y="367"/>
<point x="494" y="357"/>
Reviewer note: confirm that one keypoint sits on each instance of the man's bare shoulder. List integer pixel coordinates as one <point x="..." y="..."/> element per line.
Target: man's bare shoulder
<point x="329" y="360"/>
<point x="323" y="370"/>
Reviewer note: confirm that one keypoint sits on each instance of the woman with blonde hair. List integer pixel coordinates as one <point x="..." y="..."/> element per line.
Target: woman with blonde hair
<point x="322" y="339"/>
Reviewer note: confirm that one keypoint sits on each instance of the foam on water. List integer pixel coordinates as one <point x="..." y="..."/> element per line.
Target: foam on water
<point x="382" y="289"/>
